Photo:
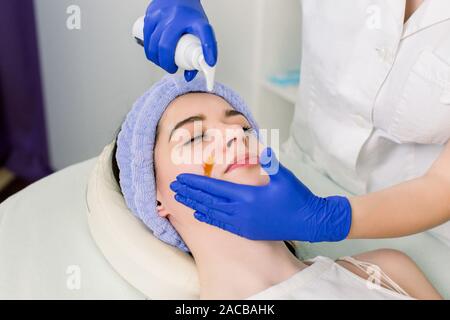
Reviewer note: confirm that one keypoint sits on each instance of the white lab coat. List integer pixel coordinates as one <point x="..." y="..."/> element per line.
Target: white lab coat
<point x="374" y="101"/>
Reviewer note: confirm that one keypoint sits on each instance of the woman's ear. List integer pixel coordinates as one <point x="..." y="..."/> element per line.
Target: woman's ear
<point x="162" y="212"/>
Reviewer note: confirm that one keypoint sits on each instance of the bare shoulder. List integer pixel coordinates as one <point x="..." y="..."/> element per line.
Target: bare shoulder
<point x="400" y="268"/>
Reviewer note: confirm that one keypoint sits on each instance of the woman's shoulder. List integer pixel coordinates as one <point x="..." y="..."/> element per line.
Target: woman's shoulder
<point x="398" y="266"/>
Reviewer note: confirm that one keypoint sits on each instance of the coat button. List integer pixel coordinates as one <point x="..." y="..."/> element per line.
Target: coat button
<point x="385" y="54"/>
<point x="360" y="121"/>
<point x="381" y="52"/>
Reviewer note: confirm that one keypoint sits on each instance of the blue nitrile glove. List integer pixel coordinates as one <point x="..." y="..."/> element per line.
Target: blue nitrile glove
<point x="166" y="21"/>
<point x="284" y="209"/>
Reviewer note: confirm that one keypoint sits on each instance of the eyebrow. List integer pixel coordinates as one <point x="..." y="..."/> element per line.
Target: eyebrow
<point x="232" y="113"/>
<point x="201" y="117"/>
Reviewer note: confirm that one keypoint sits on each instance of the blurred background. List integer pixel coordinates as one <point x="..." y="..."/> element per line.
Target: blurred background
<point x="70" y="71"/>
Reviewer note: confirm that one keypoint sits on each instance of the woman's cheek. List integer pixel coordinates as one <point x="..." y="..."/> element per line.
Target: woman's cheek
<point x="169" y="196"/>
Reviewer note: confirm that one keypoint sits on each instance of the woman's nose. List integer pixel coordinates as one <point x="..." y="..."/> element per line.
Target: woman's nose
<point x="235" y="137"/>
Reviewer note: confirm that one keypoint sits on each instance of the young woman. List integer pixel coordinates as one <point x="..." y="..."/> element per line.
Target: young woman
<point x="175" y="118"/>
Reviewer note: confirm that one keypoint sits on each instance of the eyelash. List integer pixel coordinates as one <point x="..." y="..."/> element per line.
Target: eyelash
<point x="246" y="129"/>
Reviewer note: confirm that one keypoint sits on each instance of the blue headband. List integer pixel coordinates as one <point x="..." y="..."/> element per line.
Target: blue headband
<point x="135" y="147"/>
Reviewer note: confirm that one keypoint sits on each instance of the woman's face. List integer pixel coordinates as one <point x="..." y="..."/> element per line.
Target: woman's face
<point x="195" y="129"/>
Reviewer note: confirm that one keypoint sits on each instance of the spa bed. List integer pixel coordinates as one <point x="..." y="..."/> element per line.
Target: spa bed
<point x="58" y="240"/>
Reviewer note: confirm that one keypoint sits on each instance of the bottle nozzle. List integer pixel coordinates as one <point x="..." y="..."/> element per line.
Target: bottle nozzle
<point x="209" y="73"/>
<point x="188" y="53"/>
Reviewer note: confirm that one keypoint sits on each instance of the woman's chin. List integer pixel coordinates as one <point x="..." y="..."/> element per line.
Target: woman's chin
<point x="250" y="175"/>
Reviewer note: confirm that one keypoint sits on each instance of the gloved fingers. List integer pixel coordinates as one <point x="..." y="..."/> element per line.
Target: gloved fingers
<point x="217" y="223"/>
<point x="189" y="75"/>
<point x="211" y="213"/>
<point x="194" y="194"/>
<point x="205" y="32"/>
<point x="149" y="27"/>
<point x="167" y="45"/>
<point x="269" y="162"/>
<point x="215" y="187"/>
<point x="153" y="49"/>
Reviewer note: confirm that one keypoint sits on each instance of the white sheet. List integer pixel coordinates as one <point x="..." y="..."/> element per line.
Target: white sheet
<point x="45" y="243"/>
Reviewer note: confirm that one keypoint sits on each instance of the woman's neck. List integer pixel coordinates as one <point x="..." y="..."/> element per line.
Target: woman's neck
<point x="410" y="7"/>
<point x="232" y="267"/>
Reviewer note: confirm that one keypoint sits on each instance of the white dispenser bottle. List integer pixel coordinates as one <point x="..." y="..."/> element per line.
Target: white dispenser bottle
<point x="188" y="53"/>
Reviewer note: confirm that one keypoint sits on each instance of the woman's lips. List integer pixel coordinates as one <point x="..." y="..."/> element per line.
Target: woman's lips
<point x="246" y="161"/>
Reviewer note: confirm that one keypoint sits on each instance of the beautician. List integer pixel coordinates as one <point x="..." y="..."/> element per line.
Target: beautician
<point x="373" y="115"/>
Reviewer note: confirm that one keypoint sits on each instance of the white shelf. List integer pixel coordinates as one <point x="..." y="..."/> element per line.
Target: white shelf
<point x="288" y="93"/>
<point x="277" y="43"/>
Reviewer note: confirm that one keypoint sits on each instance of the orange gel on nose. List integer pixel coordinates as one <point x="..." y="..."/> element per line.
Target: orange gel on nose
<point x="208" y="165"/>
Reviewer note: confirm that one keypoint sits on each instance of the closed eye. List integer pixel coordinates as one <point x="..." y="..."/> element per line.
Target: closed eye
<point x="247" y="130"/>
<point x="200" y="136"/>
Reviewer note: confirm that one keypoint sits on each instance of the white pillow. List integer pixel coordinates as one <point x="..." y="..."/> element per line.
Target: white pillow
<point x="155" y="268"/>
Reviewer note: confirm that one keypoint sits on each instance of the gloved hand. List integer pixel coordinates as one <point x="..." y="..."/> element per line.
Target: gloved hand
<point x="284" y="209"/>
<point x="166" y="21"/>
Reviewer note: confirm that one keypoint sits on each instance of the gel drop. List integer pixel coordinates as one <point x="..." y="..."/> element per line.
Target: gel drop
<point x="208" y="166"/>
